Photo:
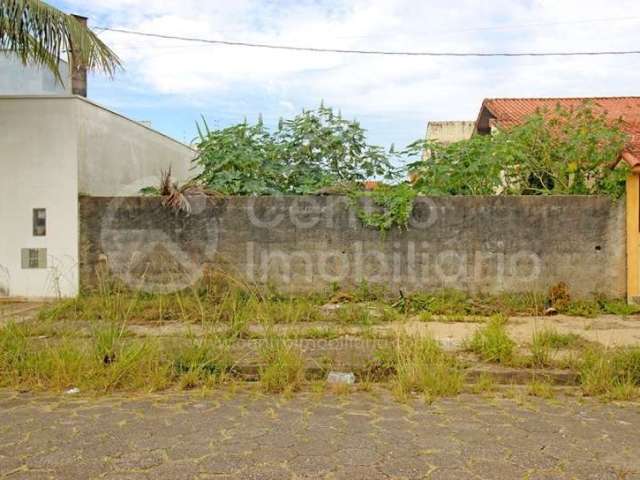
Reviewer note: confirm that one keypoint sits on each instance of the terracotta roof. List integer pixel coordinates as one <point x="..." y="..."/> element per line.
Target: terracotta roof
<point x="512" y="111"/>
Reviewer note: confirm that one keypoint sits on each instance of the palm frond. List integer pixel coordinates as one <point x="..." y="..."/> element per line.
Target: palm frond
<point x="40" y="34"/>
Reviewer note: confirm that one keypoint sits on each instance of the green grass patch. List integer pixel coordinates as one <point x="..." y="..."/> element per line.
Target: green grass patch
<point x="283" y="366"/>
<point x="492" y="343"/>
<point x="419" y="365"/>
<point x="106" y="361"/>
<point x="540" y="388"/>
<point x="546" y="343"/>
<point x="484" y="384"/>
<point x="611" y="373"/>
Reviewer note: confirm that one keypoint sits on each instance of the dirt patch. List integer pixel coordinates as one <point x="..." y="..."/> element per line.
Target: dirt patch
<point x="18" y="311"/>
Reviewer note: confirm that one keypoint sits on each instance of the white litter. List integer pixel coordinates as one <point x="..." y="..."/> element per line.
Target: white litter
<point x="347" y="378"/>
<point x="72" y="391"/>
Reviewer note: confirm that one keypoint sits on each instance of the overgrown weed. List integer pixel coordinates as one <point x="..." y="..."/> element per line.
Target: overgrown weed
<point x="419" y="365"/>
<point x="492" y="343"/>
<point x="282" y="369"/>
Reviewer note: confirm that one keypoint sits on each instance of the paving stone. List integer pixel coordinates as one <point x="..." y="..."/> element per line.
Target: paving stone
<point x="138" y="460"/>
<point x="177" y="436"/>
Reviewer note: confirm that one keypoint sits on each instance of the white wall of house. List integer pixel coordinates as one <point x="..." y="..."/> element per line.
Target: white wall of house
<point x="51" y="150"/>
<point x="38" y="169"/>
<point x="118" y="156"/>
<point x="16" y="79"/>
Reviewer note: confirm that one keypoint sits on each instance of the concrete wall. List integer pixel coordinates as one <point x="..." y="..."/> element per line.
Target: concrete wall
<point x="38" y="164"/>
<point x="477" y="244"/>
<point x="118" y="156"/>
<point x="17" y="79"/>
<point x="450" y="131"/>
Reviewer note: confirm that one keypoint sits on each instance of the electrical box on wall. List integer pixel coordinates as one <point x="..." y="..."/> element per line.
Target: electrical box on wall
<point x="34" y="258"/>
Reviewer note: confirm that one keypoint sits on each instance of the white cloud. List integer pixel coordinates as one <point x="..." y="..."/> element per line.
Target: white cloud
<point x="396" y="88"/>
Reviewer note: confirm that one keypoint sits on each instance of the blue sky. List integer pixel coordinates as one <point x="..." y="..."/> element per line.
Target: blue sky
<point x="172" y="84"/>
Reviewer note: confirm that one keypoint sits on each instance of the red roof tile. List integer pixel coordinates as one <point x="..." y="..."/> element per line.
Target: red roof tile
<point x="512" y="111"/>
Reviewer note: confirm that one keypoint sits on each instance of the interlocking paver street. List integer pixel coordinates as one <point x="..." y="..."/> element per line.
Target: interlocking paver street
<point x="364" y="435"/>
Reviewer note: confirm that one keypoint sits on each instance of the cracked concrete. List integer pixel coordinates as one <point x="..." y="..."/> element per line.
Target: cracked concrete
<point x="240" y="434"/>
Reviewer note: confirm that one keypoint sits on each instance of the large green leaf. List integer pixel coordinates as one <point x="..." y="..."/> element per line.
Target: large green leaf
<point x="40" y="34"/>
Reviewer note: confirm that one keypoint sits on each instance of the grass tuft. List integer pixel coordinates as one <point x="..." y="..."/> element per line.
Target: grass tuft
<point x="611" y="373"/>
<point x="541" y="388"/>
<point x="484" y="384"/>
<point x="492" y="343"/>
<point x="548" y="341"/>
<point x="421" y="366"/>
<point x="283" y="366"/>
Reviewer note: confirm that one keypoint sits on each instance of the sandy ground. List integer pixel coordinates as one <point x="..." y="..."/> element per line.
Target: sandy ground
<point x="608" y="330"/>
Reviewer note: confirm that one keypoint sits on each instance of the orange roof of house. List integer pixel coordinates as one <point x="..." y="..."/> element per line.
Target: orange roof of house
<point x="508" y="112"/>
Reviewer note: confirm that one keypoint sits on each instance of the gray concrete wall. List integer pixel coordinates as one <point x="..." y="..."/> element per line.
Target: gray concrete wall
<point x="118" y="156"/>
<point x="18" y="79"/>
<point x="476" y="244"/>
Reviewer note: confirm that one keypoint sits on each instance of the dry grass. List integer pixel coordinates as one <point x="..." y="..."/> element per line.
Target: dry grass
<point x="484" y="384"/>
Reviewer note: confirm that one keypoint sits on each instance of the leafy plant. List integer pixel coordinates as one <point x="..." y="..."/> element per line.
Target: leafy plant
<point x="174" y="196"/>
<point x="560" y="151"/>
<point x="40" y="34"/>
<point x="320" y="148"/>
<point x="314" y="150"/>
<point x="239" y="160"/>
<point x="392" y="206"/>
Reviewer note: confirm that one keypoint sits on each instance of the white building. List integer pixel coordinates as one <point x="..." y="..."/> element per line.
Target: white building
<point x="450" y="131"/>
<point x="55" y="146"/>
<point x="15" y="79"/>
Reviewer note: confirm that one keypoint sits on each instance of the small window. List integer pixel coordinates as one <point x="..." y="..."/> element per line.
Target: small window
<point x="39" y="222"/>
<point x="34" y="258"/>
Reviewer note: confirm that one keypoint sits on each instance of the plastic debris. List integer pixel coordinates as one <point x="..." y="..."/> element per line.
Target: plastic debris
<point x="72" y="391"/>
<point x="346" y="378"/>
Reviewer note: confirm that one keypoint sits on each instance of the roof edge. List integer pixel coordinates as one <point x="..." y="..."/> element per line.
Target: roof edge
<point x="96" y="105"/>
<point x="631" y="159"/>
<point x="637" y="97"/>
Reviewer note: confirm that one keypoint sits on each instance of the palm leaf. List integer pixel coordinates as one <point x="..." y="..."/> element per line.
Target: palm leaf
<point x="40" y="34"/>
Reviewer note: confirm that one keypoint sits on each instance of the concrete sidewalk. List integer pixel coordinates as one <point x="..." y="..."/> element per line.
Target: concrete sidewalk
<point x="608" y="330"/>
